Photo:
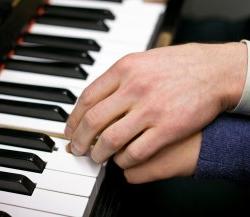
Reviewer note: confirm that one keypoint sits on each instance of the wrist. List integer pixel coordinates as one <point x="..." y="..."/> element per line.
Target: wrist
<point x="235" y="74"/>
<point x="224" y="68"/>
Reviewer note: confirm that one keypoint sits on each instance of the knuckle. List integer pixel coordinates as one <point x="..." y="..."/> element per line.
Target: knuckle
<point x="148" y="116"/>
<point x="126" y="62"/>
<point x="85" y="99"/>
<point x="91" y="119"/>
<point x="110" y="139"/>
<point x="72" y="122"/>
<point x="135" y="154"/>
<point x="147" y="112"/>
<point x="135" y="87"/>
<point x="142" y="87"/>
<point x="139" y="88"/>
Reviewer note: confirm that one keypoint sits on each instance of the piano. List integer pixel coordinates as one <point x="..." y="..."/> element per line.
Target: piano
<point x="50" y="51"/>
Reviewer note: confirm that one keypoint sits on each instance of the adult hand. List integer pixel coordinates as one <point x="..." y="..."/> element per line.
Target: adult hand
<point x="149" y="100"/>
<point x="175" y="160"/>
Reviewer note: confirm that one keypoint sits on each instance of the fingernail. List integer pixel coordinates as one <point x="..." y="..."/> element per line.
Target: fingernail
<point x="75" y="150"/>
<point x="68" y="132"/>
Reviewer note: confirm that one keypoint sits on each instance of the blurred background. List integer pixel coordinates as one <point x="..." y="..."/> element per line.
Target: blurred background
<point x="206" y="21"/>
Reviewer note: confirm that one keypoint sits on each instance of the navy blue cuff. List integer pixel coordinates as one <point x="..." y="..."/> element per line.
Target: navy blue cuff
<point x="225" y="149"/>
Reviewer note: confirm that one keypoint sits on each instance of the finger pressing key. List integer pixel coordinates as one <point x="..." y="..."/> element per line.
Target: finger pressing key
<point x="96" y="92"/>
<point x="96" y="119"/>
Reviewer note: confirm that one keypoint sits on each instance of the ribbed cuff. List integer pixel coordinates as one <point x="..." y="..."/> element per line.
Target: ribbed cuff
<point x="225" y="150"/>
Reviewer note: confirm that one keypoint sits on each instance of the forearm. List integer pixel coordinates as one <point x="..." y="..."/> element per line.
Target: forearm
<point x="225" y="149"/>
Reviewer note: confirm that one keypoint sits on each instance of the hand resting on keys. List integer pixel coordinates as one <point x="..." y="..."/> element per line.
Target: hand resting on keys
<point x="146" y="105"/>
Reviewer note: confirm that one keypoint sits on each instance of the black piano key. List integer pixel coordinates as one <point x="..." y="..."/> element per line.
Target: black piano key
<point x="48" y="68"/>
<point x="81" y="13"/>
<point x="24" y="139"/>
<point x="60" y="54"/>
<point x="21" y="160"/>
<point x="35" y="110"/>
<point x="4" y="214"/>
<point x="62" y="42"/>
<point x="38" y="92"/>
<point x="16" y="183"/>
<point x="85" y="23"/>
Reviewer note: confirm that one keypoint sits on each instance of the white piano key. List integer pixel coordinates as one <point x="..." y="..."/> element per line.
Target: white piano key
<point x="44" y="80"/>
<point x="62" y="182"/>
<point x="32" y="124"/>
<point x="47" y="201"/>
<point x="120" y="48"/>
<point x="15" y="211"/>
<point x="62" y="161"/>
<point x="31" y="79"/>
<point x="33" y="59"/>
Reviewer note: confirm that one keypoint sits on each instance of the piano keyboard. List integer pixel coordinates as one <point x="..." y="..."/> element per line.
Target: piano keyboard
<point x="128" y="32"/>
<point x="66" y="47"/>
<point x="67" y="189"/>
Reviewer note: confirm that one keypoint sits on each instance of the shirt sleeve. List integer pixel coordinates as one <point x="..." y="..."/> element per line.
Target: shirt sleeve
<point x="225" y="149"/>
<point x="243" y="106"/>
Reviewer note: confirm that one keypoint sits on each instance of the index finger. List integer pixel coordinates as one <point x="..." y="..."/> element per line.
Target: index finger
<point x="101" y="88"/>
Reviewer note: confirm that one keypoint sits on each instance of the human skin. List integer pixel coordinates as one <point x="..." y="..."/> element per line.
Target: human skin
<point x="149" y="101"/>
<point x="175" y="160"/>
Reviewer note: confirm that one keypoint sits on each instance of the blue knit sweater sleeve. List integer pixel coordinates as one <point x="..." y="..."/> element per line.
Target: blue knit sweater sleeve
<point x="225" y="149"/>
